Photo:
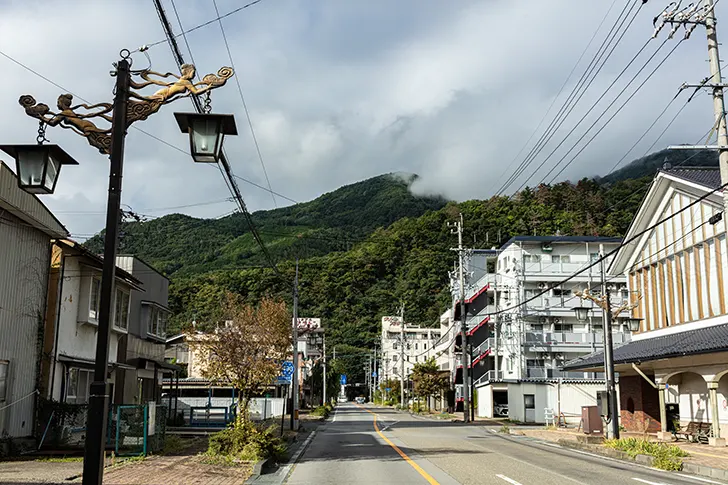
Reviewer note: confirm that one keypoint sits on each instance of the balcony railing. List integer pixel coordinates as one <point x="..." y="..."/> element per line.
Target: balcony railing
<point x="489" y="376"/>
<point x="568" y="338"/>
<point x="549" y="373"/>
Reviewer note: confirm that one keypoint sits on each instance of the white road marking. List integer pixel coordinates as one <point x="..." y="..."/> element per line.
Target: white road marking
<point x="509" y="480"/>
<point x="553" y="445"/>
<point x="336" y="410"/>
<point x="389" y="425"/>
<point x="649" y="482"/>
<point x="699" y="479"/>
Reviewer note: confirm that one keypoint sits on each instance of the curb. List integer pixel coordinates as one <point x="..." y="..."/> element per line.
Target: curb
<point x="647" y="460"/>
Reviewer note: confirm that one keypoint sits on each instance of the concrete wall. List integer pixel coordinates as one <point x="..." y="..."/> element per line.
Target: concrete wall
<point x="572" y="397"/>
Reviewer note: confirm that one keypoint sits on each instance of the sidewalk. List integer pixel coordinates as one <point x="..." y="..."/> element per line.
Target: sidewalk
<point x="176" y="470"/>
<point x="700" y="455"/>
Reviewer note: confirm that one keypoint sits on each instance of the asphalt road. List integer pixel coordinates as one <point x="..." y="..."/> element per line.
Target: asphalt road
<point x="410" y="450"/>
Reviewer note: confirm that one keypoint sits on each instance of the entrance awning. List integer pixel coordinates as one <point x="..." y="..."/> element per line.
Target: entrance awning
<point x="704" y="340"/>
<point x="88" y="363"/>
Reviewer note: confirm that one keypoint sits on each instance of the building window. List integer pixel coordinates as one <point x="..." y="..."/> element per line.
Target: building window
<point x="593" y="257"/>
<point x="77" y="386"/>
<point x="121" y="309"/>
<point x="537" y="327"/>
<point x="394" y="358"/>
<point x="416" y="346"/>
<point x="94" y="299"/>
<point x="157" y="322"/>
<point x="529" y="401"/>
<point x="561" y="292"/>
<point x="394" y="345"/>
<point x="528" y="294"/>
<point x="4" y="364"/>
<point x="564" y="258"/>
<point x="563" y="327"/>
<point x="424" y="346"/>
<point x="534" y="363"/>
<point x="531" y="258"/>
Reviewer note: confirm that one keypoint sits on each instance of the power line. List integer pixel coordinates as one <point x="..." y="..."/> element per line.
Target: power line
<point x="571" y="102"/>
<point x="245" y="105"/>
<point x="612" y="252"/>
<point x="150" y="135"/>
<point x="609" y="120"/>
<point x="228" y="175"/>
<point x="568" y="78"/>
<point x="204" y="24"/>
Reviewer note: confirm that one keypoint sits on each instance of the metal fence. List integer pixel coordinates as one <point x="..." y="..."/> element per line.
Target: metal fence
<point x="131" y="429"/>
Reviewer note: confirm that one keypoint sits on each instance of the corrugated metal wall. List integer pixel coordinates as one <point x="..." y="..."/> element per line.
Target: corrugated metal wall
<point x="24" y="266"/>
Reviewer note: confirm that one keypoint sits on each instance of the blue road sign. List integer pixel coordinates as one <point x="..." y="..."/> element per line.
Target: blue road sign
<point x="387" y="389"/>
<point x="374" y="374"/>
<point x="286" y="373"/>
<point x="343" y="379"/>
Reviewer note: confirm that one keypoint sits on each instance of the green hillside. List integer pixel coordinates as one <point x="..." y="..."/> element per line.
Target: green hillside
<point x="653" y="162"/>
<point x="182" y="245"/>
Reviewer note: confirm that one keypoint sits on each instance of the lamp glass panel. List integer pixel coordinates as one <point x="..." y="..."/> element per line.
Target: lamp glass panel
<point x="30" y="167"/>
<point x="205" y="133"/>
<point x="52" y="169"/>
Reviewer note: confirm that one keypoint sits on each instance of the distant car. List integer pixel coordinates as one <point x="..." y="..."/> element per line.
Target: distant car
<point x="342" y="399"/>
<point x="500" y="409"/>
<point x="360" y="400"/>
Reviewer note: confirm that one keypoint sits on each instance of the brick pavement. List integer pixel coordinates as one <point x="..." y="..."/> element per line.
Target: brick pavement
<point x="176" y="470"/>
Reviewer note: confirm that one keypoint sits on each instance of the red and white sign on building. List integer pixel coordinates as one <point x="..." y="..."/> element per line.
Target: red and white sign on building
<point x="307" y="324"/>
<point x="392" y="321"/>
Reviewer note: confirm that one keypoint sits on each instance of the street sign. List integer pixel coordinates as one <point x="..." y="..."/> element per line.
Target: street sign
<point x="304" y="324"/>
<point x="343" y="379"/>
<point x="286" y="373"/>
<point x="374" y="374"/>
<point x="387" y="389"/>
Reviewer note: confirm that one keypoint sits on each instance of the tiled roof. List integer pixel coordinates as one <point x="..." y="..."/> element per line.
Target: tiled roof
<point x="692" y="342"/>
<point x="706" y="176"/>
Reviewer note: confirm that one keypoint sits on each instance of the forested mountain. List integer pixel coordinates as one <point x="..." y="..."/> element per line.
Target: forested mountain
<point x="366" y="247"/>
<point x="177" y="244"/>
<point x="653" y="162"/>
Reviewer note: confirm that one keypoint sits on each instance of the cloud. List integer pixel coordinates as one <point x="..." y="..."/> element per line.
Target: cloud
<point x="341" y="91"/>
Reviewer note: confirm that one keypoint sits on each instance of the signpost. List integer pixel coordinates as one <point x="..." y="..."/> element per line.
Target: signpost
<point x="286" y="373"/>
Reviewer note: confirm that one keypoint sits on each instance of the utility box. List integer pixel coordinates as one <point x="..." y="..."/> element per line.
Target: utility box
<point x="603" y="403"/>
<point x="591" y="420"/>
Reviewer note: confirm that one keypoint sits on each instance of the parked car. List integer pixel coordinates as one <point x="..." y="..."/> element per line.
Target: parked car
<point x="500" y="409"/>
<point x="342" y="399"/>
<point x="360" y="400"/>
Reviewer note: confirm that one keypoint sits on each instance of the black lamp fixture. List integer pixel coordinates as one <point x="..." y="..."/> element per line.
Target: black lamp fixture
<point x="582" y="313"/>
<point x="207" y="132"/>
<point x="38" y="166"/>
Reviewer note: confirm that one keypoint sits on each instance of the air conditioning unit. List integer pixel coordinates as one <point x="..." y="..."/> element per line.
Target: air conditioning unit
<point x="556" y="320"/>
<point x="542" y="285"/>
<point x="542" y="320"/>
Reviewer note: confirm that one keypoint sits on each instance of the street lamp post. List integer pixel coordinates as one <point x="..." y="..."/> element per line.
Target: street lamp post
<point x="38" y="168"/>
<point x="582" y="313"/>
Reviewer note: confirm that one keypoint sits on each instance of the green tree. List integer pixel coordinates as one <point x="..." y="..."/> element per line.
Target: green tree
<point x="428" y="380"/>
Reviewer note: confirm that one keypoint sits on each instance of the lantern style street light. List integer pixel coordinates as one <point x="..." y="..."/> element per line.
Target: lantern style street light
<point x="207" y="132"/>
<point x="582" y="313"/>
<point x="38" y="168"/>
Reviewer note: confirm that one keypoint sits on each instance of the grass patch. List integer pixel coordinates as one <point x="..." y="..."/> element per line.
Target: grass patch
<point x="667" y="457"/>
<point x="61" y="459"/>
<point x="505" y="429"/>
<point x="245" y="441"/>
<point x="321" y="411"/>
<point x="174" y="444"/>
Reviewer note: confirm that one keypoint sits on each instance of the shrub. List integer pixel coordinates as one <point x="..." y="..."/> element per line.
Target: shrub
<point x="245" y="442"/>
<point x="505" y="429"/>
<point x="321" y="411"/>
<point x="667" y="457"/>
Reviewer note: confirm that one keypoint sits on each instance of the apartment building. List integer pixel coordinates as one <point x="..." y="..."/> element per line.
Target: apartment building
<point x="419" y="345"/>
<point x="522" y="326"/>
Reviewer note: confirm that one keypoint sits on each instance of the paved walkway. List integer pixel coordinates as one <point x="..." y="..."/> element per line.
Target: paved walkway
<point x="700" y="454"/>
<point x="175" y="470"/>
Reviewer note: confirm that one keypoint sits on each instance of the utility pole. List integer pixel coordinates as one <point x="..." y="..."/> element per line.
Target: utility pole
<point x="324" y="386"/>
<point x="401" y="355"/>
<point x="718" y="102"/>
<point x="294" y="410"/>
<point x="463" y="320"/>
<point x="609" y="350"/>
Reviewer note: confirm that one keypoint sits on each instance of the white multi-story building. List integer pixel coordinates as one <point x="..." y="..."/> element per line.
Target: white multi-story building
<point x="419" y="345"/>
<point x="522" y="326"/>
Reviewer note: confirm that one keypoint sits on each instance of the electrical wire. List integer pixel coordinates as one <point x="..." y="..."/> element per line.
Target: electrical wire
<point x="567" y="110"/>
<point x="204" y="24"/>
<point x="245" y="105"/>
<point x="553" y="102"/>
<point x="591" y="139"/>
<point x="134" y="127"/>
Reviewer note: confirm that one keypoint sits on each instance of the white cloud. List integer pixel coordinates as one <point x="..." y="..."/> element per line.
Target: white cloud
<point x="340" y="91"/>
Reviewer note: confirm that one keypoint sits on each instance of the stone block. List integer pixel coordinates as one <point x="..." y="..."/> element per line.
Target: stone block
<point x="590" y="439"/>
<point x="664" y="436"/>
<point x="716" y="441"/>
<point x="644" y="459"/>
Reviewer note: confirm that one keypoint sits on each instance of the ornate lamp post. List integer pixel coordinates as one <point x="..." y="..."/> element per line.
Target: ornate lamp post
<point x="38" y="169"/>
<point x="582" y="313"/>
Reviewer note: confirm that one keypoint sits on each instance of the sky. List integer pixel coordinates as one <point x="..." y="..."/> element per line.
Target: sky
<point x="342" y="90"/>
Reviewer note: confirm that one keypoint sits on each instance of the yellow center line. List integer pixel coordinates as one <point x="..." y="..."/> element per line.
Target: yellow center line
<point x="406" y="458"/>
